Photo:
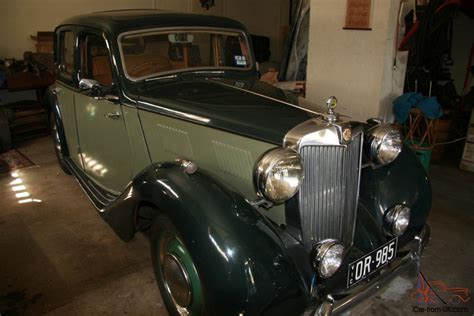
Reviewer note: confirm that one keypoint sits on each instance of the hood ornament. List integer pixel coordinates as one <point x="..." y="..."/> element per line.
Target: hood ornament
<point x="331" y="104"/>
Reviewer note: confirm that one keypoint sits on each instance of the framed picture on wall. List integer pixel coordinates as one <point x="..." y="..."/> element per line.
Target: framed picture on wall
<point x="358" y="14"/>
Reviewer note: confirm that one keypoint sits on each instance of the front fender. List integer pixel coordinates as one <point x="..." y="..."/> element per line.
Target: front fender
<point x="238" y="253"/>
<point x="402" y="182"/>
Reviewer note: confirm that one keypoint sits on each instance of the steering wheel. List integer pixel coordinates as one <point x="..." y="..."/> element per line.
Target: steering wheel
<point x="147" y="68"/>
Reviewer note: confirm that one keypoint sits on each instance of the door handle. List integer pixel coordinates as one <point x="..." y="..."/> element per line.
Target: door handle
<point x="113" y="115"/>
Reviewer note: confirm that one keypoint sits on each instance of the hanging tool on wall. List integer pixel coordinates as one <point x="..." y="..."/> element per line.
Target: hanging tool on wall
<point x="428" y="41"/>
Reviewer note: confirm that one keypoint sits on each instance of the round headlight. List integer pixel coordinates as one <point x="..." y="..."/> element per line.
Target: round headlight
<point x="279" y="174"/>
<point x="396" y="220"/>
<point x="327" y="257"/>
<point x="385" y="143"/>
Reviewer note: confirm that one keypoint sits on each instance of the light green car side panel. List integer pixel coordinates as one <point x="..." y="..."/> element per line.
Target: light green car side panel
<point x="228" y="157"/>
<point x="105" y="147"/>
<point x="139" y="153"/>
<point x="65" y="97"/>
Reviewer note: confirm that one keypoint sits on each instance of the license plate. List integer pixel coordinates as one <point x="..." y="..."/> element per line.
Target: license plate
<point x="371" y="262"/>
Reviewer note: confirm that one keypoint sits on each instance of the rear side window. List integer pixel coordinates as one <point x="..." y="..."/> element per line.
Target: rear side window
<point x="67" y="45"/>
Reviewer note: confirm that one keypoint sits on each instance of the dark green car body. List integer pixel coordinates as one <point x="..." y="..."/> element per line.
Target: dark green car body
<point x="250" y="259"/>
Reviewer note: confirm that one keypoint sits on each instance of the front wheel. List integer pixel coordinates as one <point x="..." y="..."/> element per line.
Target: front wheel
<point x="175" y="272"/>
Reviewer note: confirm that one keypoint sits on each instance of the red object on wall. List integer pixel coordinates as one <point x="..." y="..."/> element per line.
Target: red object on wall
<point x="358" y="14"/>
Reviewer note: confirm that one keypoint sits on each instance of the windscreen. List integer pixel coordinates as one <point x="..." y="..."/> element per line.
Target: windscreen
<point x="150" y="54"/>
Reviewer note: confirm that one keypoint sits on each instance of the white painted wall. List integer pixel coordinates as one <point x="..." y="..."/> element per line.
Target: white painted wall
<point x="21" y="18"/>
<point x="172" y="5"/>
<point x="355" y="66"/>
<point x="263" y="17"/>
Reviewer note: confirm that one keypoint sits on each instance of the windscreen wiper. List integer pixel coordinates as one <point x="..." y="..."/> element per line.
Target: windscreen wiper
<point x="174" y="76"/>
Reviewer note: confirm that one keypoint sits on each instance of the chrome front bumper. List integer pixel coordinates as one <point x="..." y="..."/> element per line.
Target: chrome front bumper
<point x="408" y="266"/>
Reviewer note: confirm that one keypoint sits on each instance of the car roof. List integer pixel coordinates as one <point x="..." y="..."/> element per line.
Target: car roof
<point x="118" y="21"/>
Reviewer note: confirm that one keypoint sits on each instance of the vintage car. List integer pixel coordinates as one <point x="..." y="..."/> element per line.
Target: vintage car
<point x="254" y="203"/>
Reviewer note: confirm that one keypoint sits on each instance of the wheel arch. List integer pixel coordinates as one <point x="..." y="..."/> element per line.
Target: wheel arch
<point x="145" y="212"/>
<point x="233" y="246"/>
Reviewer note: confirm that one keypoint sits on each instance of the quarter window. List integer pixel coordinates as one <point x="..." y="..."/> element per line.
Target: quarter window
<point x="67" y="55"/>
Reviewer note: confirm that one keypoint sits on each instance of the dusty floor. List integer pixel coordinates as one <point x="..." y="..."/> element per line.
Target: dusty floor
<point x="58" y="257"/>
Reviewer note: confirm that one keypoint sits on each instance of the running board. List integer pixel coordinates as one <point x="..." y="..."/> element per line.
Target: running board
<point x="97" y="195"/>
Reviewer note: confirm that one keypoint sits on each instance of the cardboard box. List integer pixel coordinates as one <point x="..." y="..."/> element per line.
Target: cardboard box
<point x="44" y="42"/>
<point x="467" y="161"/>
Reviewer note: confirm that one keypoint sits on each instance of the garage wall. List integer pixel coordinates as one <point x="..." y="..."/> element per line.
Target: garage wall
<point x="263" y="17"/>
<point x="21" y="18"/>
<point x="355" y="66"/>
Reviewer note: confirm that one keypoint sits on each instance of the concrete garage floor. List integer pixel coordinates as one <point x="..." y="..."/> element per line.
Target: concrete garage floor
<point x="58" y="257"/>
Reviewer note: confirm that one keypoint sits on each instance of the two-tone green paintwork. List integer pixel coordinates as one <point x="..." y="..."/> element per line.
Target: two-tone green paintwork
<point x="228" y="157"/>
<point x="224" y="234"/>
<point x="239" y="106"/>
<point x="224" y="123"/>
<point x="241" y="257"/>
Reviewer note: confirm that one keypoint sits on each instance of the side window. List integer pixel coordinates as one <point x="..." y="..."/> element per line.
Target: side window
<point x="95" y="61"/>
<point x="66" y="69"/>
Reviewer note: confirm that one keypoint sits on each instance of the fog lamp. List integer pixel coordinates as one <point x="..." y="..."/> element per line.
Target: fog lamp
<point x="396" y="220"/>
<point x="326" y="257"/>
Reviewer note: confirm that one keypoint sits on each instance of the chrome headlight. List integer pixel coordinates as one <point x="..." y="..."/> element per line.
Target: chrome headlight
<point x="396" y="220"/>
<point x="385" y="143"/>
<point x="327" y="257"/>
<point x="278" y="175"/>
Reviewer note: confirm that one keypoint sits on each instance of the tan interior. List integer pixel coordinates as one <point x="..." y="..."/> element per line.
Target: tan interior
<point x="142" y="65"/>
<point x="101" y="70"/>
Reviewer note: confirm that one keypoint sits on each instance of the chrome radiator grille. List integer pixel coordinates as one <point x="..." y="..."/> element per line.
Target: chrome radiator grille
<point x="329" y="194"/>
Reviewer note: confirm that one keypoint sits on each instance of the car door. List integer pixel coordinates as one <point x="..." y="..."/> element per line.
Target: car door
<point x="103" y="137"/>
<point x="65" y="87"/>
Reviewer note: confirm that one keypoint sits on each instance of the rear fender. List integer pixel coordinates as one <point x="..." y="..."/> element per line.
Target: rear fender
<point x="55" y="114"/>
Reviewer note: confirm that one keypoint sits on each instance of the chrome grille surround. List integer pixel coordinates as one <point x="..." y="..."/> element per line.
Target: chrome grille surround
<point x="329" y="194"/>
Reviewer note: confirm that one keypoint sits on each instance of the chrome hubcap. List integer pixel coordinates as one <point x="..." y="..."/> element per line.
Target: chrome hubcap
<point x="177" y="280"/>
